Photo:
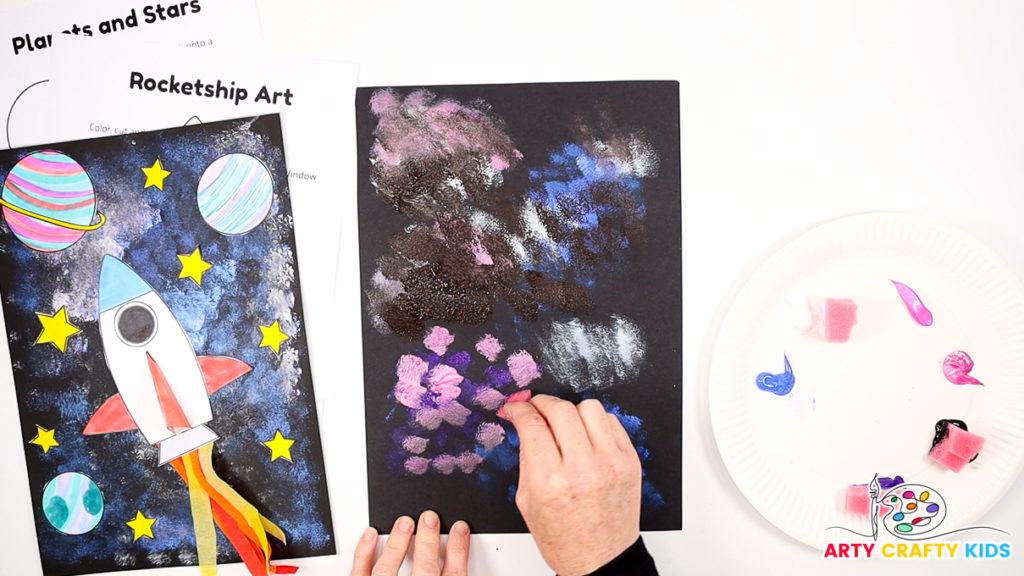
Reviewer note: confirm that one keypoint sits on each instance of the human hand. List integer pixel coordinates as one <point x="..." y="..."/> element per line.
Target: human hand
<point x="426" y="558"/>
<point x="579" y="482"/>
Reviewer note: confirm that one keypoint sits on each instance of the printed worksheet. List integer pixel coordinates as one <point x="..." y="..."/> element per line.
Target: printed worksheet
<point x="29" y="38"/>
<point x="148" y="86"/>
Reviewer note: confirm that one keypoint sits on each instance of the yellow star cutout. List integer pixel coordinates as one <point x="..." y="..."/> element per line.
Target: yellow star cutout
<point x="44" y="439"/>
<point x="280" y="447"/>
<point x="56" y="329"/>
<point x="193" y="266"/>
<point x="141" y="526"/>
<point x="155" y="175"/>
<point x="272" y="336"/>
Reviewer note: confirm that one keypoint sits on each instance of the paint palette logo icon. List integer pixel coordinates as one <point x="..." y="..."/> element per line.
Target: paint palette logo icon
<point x="913" y="511"/>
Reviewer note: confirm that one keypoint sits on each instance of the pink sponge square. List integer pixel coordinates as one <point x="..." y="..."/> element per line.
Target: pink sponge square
<point x="857" y="500"/>
<point x="840" y="316"/>
<point x="957" y="448"/>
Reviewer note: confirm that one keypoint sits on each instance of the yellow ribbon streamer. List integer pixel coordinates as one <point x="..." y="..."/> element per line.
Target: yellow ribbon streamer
<point x="249" y="512"/>
<point x="202" y="517"/>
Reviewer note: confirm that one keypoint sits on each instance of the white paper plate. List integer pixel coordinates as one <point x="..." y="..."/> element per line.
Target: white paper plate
<point x="870" y="405"/>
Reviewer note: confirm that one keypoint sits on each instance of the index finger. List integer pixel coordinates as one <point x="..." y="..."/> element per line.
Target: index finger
<point x="536" y="443"/>
<point x="566" y="427"/>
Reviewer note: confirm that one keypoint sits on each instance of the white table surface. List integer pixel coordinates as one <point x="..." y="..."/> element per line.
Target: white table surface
<point x="793" y="113"/>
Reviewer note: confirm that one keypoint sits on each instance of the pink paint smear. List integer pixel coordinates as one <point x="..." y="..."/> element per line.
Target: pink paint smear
<point x="438" y="340"/>
<point x="523" y="368"/>
<point x="489" y="347"/>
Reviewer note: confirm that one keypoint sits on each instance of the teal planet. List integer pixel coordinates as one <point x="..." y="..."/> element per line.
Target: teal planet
<point x="235" y="194"/>
<point x="72" y="503"/>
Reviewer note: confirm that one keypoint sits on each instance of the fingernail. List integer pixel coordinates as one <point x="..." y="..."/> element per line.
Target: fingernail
<point x="430" y="519"/>
<point x="404" y="524"/>
<point x="460" y="528"/>
<point x="369" y="534"/>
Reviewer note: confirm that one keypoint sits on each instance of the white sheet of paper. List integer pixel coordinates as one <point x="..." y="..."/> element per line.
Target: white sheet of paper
<point x="315" y="100"/>
<point x="29" y="38"/>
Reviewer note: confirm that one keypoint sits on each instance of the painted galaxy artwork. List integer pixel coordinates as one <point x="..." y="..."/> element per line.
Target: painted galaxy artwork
<point x="152" y="302"/>
<point x="516" y="240"/>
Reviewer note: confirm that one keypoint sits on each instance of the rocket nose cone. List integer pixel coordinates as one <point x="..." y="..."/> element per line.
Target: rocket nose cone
<point x="119" y="284"/>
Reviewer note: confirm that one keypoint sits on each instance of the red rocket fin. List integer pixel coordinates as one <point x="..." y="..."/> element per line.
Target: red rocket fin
<point x="219" y="371"/>
<point x="112" y="416"/>
<point x="174" y="417"/>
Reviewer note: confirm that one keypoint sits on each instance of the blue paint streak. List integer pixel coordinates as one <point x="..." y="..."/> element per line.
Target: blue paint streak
<point x="778" y="384"/>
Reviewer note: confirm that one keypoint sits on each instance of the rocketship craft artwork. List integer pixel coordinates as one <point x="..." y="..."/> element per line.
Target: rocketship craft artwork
<point x="152" y="302"/>
<point x="515" y="240"/>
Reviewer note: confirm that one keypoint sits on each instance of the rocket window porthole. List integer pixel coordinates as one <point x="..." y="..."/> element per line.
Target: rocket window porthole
<point x="136" y="324"/>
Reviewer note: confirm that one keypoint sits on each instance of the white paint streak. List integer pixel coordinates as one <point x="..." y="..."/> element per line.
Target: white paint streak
<point x="593" y="356"/>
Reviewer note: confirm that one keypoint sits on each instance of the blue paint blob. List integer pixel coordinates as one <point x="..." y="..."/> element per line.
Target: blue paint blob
<point x="778" y="384"/>
<point x="898" y="516"/>
<point x="650" y="498"/>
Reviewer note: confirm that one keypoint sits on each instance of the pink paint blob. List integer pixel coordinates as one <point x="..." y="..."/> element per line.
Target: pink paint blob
<point x="468" y="461"/>
<point x="498" y="163"/>
<point x="489" y="398"/>
<point x="445" y="463"/>
<point x="444" y="383"/>
<point x="383" y="100"/>
<point x="410" y="369"/>
<point x="437" y="340"/>
<point x="521" y="396"/>
<point x="523" y="368"/>
<point x="489" y="435"/>
<point x="454" y="413"/>
<point x="914" y="305"/>
<point x="409" y="395"/>
<point x="489" y="347"/>
<point x="415" y="444"/>
<point x="429" y="418"/>
<point x="956" y="367"/>
<point x="483" y="257"/>
<point x="417" y="465"/>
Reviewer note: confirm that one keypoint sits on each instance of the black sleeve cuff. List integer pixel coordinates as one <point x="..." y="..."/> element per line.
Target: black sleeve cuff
<point x="634" y="561"/>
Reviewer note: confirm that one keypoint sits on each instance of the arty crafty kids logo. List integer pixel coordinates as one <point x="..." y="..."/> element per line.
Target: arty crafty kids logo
<point x="913" y="514"/>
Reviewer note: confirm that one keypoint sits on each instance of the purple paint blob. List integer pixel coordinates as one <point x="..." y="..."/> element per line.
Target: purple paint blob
<point x="914" y="305"/>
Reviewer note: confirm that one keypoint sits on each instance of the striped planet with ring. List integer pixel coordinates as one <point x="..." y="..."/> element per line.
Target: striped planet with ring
<point x="48" y="201"/>
<point x="235" y="194"/>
